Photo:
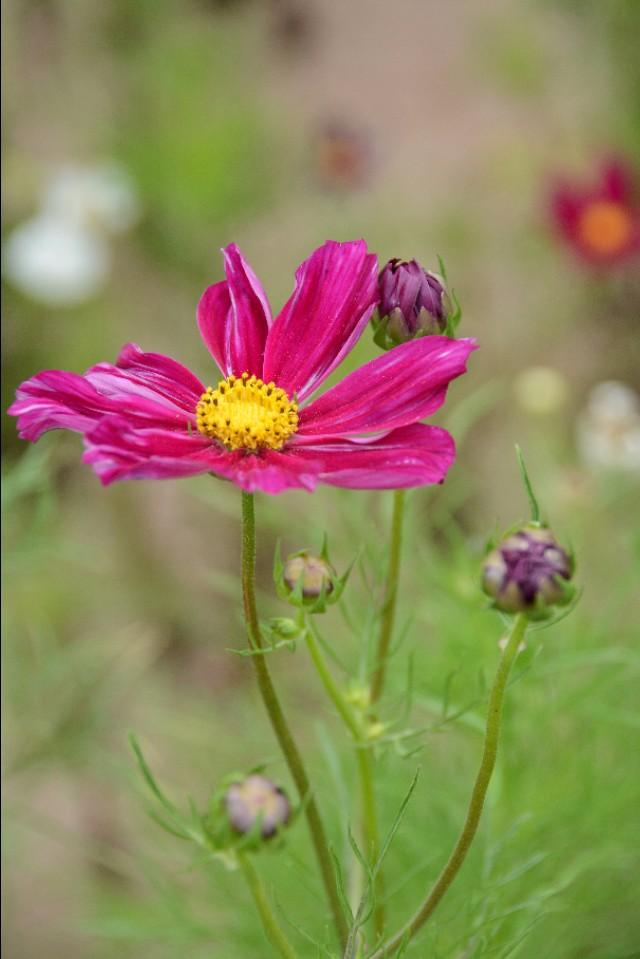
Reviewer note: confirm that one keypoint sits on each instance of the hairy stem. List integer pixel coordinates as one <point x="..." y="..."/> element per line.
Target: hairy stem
<point x="272" y="930"/>
<point x="278" y="720"/>
<point x="390" y="596"/>
<point x="478" y="795"/>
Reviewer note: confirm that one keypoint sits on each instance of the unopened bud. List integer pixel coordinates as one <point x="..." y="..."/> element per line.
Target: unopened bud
<point x="312" y="574"/>
<point x="528" y="572"/>
<point x="257" y="799"/>
<point x="413" y="303"/>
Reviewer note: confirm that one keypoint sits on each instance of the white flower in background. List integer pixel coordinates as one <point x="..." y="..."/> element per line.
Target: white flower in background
<point x="61" y="256"/>
<point x="541" y="390"/>
<point x="608" y="433"/>
<point x="100" y="197"/>
<point x="56" y="262"/>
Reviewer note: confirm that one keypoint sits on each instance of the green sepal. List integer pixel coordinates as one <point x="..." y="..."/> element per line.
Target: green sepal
<point x="381" y="335"/>
<point x="531" y="496"/>
<point x="455" y="316"/>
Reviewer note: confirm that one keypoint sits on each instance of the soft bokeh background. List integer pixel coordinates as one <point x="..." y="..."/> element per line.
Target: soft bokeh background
<point x="427" y="128"/>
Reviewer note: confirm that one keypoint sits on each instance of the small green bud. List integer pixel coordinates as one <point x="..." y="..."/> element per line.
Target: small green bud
<point x="284" y="627"/>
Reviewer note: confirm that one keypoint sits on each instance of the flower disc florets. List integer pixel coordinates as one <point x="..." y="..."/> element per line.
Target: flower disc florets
<point x="257" y="799"/>
<point x="246" y="413"/>
<point x="528" y="572"/>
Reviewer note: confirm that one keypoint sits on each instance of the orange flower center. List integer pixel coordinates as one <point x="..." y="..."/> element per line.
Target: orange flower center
<point x="605" y="227"/>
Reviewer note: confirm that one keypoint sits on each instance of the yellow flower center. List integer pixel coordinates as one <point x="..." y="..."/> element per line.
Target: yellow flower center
<point x="605" y="227"/>
<point x="244" y="413"/>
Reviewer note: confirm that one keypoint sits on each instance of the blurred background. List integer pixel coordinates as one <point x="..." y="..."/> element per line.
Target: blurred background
<point x="139" y="139"/>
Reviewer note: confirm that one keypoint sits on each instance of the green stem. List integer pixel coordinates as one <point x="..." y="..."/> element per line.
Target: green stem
<point x="333" y="690"/>
<point x="478" y="795"/>
<point x="367" y="798"/>
<point x="390" y="596"/>
<point x="278" y="721"/>
<point x="371" y="834"/>
<point x="273" y="931"/>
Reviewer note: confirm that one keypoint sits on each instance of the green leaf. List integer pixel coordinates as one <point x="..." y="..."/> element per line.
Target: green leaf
<point x="533" y="502"/>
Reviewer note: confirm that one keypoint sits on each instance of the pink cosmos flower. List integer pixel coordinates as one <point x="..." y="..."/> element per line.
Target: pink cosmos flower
<point x="148" y="417"/>
<point x="601" y="222"/>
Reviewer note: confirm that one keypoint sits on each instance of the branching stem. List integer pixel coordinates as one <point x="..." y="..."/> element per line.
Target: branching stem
<point x="279" y="722"/>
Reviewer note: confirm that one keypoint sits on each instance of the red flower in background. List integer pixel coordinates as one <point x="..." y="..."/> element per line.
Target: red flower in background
<point x="601" y="222"/>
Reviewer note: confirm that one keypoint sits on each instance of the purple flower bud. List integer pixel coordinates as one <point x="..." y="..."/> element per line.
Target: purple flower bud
<point x="257" y="798"/>
<point x="316" y="573"/>
<point x="528" y="572"/>
<point x="413" y="302"/>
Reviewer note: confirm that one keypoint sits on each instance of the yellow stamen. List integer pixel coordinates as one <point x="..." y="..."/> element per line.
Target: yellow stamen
<point x="245" y="413"/>
<point x="605" y="227"/>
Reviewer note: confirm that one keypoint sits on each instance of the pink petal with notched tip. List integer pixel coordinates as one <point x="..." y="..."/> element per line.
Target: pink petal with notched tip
<point x="234" y="317"/>
<point x="162" y="374"/>
<point x="151" y="388"/>
<point x="403" y="385"/>
<point x="335" y="294"/>
<point x="56" y="399"/>
<point x="415" y="455"/>
<point x="116" y="451"/>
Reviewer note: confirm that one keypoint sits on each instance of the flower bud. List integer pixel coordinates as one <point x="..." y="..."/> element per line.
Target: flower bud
<point x="308" y="580"/>
<point x="257" y="799"/>
<point x="283" y="627"/>
<point x="528" y="572"/>
<point x="312" y="574"/>
<point x="413" y="303"/>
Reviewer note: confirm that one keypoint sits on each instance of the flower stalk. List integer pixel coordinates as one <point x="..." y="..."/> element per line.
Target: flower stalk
<point x="388" y="615"/>
<point x="478" y="795"/>
<point x="278" y="721"/>
<point x="370" y="832"/>
<point x="270" y="925"/>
